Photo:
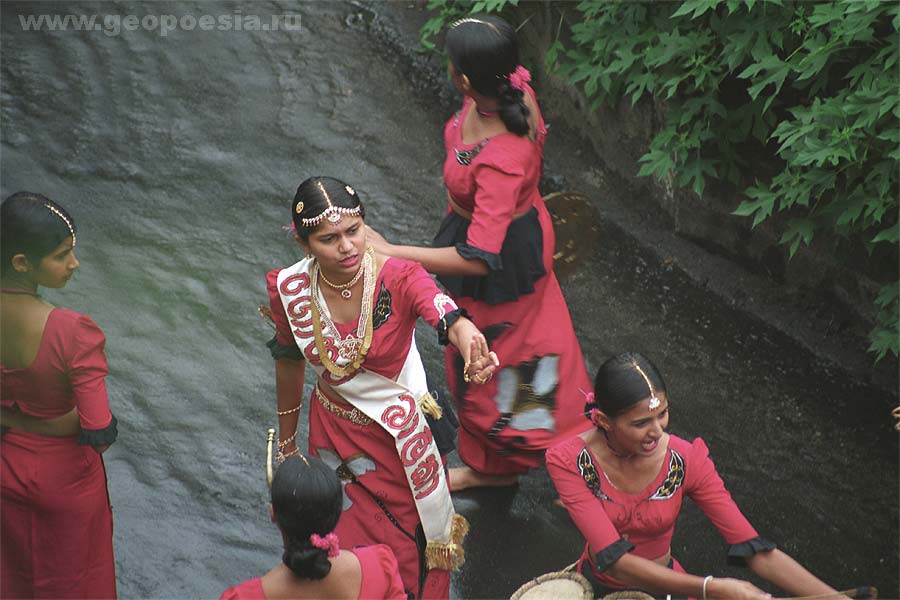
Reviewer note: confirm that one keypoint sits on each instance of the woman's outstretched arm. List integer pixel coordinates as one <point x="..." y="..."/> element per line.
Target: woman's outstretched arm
<point x="440" y="261"/>
<point x="780" y="569"/>
<point x="647" y="575"/>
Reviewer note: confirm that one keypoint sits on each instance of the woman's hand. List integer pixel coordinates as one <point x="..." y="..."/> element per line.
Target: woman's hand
<point x="377" y="241"/>
<point x="736" y="589"/>
<point x="480" y="361"/>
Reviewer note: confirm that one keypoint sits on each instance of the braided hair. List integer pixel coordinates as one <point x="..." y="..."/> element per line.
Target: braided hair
<point x="306" y="500"/>
<point x="485" y="50"/>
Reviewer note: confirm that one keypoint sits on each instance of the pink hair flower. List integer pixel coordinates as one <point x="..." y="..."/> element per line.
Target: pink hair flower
<point x="329" y="543"/>
<point x="519" y="77"/>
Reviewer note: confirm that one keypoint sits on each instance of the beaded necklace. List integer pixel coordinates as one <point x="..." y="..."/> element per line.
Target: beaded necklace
<point x="353" y="348"/>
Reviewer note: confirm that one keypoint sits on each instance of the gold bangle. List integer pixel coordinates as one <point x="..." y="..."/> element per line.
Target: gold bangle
<point x="281" y="456"/>
<point x="466" y="376"/>
<point x="281" y="413"/>
<point x="283" y="443"/>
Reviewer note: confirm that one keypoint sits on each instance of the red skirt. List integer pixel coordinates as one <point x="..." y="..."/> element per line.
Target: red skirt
<point x="378" y="505"/>
<point x="56" y="520"/>
<point x="537" y="397"/>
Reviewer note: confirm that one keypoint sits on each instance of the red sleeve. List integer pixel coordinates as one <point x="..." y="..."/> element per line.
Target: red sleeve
<point x="251" y="589"/>
<point x="282" y="328"/>
<point x="706" y="489"/>
<point x="497" y="190"/>
<point x="87" y="374"/>
<point x="584" y="507"/>
<point x="391" y="585"/>
<point x="422" y="295"/>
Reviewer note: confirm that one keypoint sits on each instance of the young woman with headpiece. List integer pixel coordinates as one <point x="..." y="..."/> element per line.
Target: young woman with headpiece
<point x="494" y="254"/>
<point x="306" y="507"/>
<point x="623" y="482"/>
<point x="56" y="524"/>
<point x="350" y="313"/>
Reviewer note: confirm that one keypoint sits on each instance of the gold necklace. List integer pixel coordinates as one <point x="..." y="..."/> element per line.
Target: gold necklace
<point x="352" y="349"/>
<point x="346" y="294"/>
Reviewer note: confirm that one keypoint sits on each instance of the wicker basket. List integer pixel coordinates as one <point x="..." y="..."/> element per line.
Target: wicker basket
<point x="567" y="584"/>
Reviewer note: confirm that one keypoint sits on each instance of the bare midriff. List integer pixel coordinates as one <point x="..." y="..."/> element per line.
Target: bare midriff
<point x="467" y="215"/>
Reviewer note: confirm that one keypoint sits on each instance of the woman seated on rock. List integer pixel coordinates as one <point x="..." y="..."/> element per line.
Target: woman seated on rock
<point x="623" y="483"/>
<point x="306" y="505"/>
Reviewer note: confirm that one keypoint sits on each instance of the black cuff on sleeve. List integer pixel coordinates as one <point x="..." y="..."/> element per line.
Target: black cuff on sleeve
<point x="279" y="350"/>
<point x="493" y="261"/>
<point x="444" y="324"/>
<point x="738" y="553"/>
<point x="99" y="437"/>
<point x="606" y="557"/>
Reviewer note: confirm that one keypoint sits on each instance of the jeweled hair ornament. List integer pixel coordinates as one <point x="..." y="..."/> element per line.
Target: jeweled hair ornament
<point x="472" y="20"/>
<point x="654" y="399"/>
<point x="68" y="223"/>
<point x="333" y="214"/>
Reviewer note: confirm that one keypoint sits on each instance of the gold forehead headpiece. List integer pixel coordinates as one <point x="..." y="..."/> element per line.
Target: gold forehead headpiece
<point x="68" y="223"/>
<point x="472" y="20"/>
<point x="654" y="399"/>
<point x="333" y="214"/>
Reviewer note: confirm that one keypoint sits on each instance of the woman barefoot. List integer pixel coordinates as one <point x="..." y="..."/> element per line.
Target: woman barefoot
<point x="56" y="517"/>
<point x="494" y="254"/>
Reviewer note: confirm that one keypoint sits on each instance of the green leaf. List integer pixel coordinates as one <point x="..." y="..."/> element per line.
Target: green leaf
<point x="698" y="7"/>
<point x="761" y="206"/>
<point x="657" y="163"/>
<point x="798" y="230"/>
<point x="890" y="235"/>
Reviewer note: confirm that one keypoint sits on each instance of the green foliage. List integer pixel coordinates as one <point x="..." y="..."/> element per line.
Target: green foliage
<point x="795" y="103"/>
<point x="810" y="89"/>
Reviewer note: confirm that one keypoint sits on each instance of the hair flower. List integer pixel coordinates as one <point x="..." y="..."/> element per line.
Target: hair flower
<point x="329" y="543"/>
<point x="519" y="77"/>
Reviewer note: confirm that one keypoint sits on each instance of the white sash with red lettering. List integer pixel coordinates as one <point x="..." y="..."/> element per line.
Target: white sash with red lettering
<point x="394" y="405"/>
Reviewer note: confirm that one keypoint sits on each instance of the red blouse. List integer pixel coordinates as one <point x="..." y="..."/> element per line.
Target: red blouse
<point x="379" y="572"/>
<point x="68" y="371"/>
<point x="404" y="291"/>
<point x="503" y="167"/>
<point x="614" y="522"/>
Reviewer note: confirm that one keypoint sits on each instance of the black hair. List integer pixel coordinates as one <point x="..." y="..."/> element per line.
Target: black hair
<point x="485" y="50"/>
<point x="314" y="194"/>
<point x="620" y="384"/>
<point x="28" y="226"/>
<point x="306" y="499"/>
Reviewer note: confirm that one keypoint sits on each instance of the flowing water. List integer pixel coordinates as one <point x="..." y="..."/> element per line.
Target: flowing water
<point x="178" y="154"/>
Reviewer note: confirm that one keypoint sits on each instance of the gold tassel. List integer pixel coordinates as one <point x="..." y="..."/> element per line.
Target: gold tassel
<point x="449" y="555"/>
<point x="430" y="406"/>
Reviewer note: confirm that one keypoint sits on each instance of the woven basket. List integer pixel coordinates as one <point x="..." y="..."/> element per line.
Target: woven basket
<point x="567" y="584"/>
<point x="575" y="223"/>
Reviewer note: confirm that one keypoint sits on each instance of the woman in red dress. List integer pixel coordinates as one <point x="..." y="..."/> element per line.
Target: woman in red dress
<point x="623" y="483"/>
<point x="55" y="511"/>
<point x="306" y="506"/>
<point x="349" y="313"/>
<point x="494" y="254"/>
